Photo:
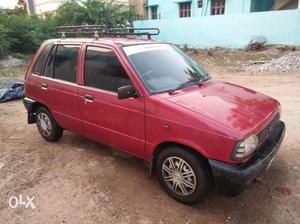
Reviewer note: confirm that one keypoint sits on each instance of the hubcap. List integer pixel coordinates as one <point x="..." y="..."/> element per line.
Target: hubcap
<point x="179" y="176"/>
<point x="44" y="124"/>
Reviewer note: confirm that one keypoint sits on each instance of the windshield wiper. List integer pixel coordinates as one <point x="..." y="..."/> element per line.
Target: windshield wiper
<point x="188" y="83"/>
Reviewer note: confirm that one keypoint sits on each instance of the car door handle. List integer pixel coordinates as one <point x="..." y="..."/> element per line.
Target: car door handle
<point x="88" y="97"/>
<point x="44" y="85"/>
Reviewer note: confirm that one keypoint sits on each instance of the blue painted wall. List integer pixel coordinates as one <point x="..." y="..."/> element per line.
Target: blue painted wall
<point x="234" y="30"/>
<point x="170" y="8"/>
<point x="237" y="6"/>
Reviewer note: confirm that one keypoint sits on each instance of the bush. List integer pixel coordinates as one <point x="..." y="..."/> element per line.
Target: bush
<point x="21" y="33"/>
<point x="94" y="12"/>
<point x="4" y="43"/>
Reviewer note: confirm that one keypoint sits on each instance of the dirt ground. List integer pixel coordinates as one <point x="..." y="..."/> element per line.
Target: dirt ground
<point x="80" y="181"/>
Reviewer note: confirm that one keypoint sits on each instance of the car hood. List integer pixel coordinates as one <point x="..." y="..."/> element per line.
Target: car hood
<point x="241" y="109"/>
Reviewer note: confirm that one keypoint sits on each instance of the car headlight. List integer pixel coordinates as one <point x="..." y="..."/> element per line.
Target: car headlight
<point x="245" y="148"/>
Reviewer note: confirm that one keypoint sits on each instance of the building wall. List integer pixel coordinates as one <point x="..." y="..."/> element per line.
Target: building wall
<point x="139" y="6"/>
<point x="122" y="1"/>
<point x="231" y="30"/>
<point x="170" y="8"/>
<point x="30" y="7"/>
<point x="42" y="6"/>
<point x="234" y="7"/>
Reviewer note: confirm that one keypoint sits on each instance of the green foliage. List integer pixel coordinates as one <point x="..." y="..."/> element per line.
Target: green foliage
<point x="94" y="12"/>
<point x="21" y="33"/>
<point x="4" y="44"/>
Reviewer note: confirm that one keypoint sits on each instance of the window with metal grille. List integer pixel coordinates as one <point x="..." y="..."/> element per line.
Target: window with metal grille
<point x="154" y="12"/>
<point x="185" y="9"/>
<point x="200" y="3"/>
<point x="217" y="7"/>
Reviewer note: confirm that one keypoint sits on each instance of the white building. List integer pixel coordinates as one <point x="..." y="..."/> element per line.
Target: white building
<point x="41" y="7"/>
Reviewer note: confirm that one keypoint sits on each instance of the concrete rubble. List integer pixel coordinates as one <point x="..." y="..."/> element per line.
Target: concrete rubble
<point x="287" y="63"/>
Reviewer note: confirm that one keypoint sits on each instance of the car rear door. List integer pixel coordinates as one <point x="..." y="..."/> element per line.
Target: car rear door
<point x="105" y="118"/>
<point x="35" y="80"/>
<point x="58" y="85"/>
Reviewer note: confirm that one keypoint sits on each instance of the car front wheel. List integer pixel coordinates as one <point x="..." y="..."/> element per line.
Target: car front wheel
<point x="47" y="126"/>
<point x="182" y="174"/>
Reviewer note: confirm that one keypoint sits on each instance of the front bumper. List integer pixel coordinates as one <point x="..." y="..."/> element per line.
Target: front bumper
<point x="232" y="180"/>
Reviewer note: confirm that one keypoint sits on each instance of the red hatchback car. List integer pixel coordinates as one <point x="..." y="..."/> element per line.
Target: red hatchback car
<point x="151" y="100"/>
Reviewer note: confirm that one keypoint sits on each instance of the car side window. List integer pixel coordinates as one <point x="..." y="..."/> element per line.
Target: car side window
<point x="48" y="70"/>
<point x="37" y="69"/>
<point x="103" y="70"/>
<point x="65" y="62"/>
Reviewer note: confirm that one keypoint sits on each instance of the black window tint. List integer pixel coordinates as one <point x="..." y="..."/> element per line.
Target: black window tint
<point x="103" y="70"/>
<point x="65" y="62"/>
<point x="39" y="64"/>
<point x="48" y="70"/>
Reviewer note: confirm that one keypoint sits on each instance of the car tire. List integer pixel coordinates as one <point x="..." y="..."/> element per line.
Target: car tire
<point x="47" y="125"/>
<point x="184" y="175"/>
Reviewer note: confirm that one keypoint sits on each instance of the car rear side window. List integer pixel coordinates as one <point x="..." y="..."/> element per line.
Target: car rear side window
<point x="48" y="70"/>
<point x="37" y="69"/>
<point x="103" y="70"/>
<point x="65" y="62"/>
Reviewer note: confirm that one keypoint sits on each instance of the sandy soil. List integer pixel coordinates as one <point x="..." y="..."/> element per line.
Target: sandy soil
<point x="80" y="181"/>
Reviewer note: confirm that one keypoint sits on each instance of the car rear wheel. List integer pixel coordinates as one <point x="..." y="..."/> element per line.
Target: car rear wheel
<point x="182" y="174"/>
<point x="47" y="126"/>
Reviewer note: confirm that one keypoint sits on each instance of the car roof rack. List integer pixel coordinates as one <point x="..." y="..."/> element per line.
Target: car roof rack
<point x="101" y="30"/>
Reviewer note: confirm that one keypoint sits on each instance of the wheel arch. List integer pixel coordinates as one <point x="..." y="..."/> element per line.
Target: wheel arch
<point x="32" y="106"/>
<point x="37" y="104"/>
<point x="160" y="147"/>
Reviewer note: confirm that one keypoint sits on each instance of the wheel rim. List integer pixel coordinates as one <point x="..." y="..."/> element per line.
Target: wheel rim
<point x="179" y="176"/>
<point x="44" y="124"/>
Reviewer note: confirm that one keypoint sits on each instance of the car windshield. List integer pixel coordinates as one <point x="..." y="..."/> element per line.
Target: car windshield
<point x="164" y="67"/>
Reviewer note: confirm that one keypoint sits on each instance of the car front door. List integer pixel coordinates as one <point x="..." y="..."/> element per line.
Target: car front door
<point x="105" y="118"/>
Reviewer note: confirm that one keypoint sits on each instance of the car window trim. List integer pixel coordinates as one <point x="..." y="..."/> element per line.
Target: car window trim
<point x="133" y="67"/>
<point x="60" y="80"/>
<point x="83" y="72"/>
<point x="78" y="57"/>
<point x="98" y="90"/>
<point x="135" y="70"/>
<point x="42" y="68"/>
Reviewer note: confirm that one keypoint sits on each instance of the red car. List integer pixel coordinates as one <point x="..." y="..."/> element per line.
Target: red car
<point x="151" y="100"/>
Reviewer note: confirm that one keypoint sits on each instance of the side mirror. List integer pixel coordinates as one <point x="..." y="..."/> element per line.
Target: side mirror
<point x="125" y="92"/>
